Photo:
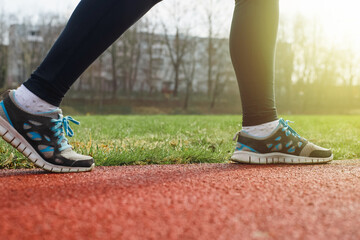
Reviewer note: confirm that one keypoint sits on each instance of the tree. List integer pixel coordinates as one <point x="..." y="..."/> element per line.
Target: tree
<point x="3" y="49"/>
<point x="212" y="9"/>
<point x="210" y="45"/>
<point x="29" y="42"/>
<point x="222" y="70"/>
<point x="189" y="69"/>
<point x="153" y="53"/>
<point x="130" y="52"/>
<point x="114" y="65"/>
<point x="178" y="42"/>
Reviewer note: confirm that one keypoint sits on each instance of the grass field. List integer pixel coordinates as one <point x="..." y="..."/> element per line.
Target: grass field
<point x="159" y="139"/>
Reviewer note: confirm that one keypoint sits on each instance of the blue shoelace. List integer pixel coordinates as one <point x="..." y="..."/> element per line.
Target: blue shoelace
<point x="62" y="124"/>
<point x="287" y="129"/>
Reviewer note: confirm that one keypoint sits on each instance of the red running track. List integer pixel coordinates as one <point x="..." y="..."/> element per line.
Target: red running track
<point x="205" y="201"/>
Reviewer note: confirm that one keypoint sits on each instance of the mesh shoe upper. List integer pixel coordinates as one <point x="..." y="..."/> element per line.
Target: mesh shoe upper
<point x="45" y="132"/>
<point x="283" y="140"/>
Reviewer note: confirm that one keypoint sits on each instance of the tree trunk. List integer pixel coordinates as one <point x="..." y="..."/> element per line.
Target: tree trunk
<point x="113" y="71"/>
<point x="210" y="64"/>
<point x="176" y="84"/>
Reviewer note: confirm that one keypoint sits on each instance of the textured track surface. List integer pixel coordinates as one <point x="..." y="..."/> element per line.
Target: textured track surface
<point x="206" y="201"/>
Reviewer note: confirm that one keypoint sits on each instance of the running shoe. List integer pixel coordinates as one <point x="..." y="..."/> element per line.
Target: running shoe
<point x="283" y="145"/>
<point x="41" y="137"/>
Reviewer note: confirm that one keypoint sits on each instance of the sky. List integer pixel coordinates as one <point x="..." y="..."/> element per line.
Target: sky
<point x="340" y="19"/>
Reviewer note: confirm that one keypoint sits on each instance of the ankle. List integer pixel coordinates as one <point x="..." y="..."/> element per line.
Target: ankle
<point x="261" y="130"/>
<point x="31" y="103"/>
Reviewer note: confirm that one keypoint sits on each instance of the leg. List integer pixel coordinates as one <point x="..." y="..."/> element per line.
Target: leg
<point x="263" y="139"/>
<point x="252" y="47"/>
<point x="93" y="27"/>
<point x="29" y="118"/>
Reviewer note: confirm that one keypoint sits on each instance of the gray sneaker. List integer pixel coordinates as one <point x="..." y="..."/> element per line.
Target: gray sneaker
<point x="283" y="145"/>
<point x="41" y="137"/>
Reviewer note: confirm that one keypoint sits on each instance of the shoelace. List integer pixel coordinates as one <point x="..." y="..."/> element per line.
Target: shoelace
<point x="287" y="129"/>
<point x="62" y="124"/>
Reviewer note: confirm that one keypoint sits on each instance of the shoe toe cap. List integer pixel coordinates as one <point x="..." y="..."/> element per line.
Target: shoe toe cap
<point x="321" y="153"/>
<point x="312" y="150"/>
<point x="84" y="163"/>
<point x="78" y="160"/>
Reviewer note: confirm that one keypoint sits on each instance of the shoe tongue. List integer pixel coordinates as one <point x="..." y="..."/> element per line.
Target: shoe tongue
<point x="280" y="125"/>
<point x="282" y="122"/>
<point x="57" y="114"/>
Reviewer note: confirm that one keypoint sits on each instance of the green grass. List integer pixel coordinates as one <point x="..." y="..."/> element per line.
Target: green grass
<point x="126" y="140"/>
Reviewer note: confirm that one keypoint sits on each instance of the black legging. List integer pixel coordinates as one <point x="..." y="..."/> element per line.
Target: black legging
<point x="252" y="48"/>
<point x="96" y="24"/>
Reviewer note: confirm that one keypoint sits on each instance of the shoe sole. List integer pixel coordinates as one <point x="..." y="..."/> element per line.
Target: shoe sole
<point x="276" y="158"/>
<point x="10" y="135"/>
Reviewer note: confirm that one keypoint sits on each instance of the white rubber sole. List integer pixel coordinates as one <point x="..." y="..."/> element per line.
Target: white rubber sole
<point x="10" y="135"/>
<point x="275" y="158"/>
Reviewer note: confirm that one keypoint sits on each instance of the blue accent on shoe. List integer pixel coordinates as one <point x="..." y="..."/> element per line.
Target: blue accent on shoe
<point x="35" y="136"/>
<point x="278" y="138"/>
<point x="6" y="113"/>
<point x="291" y="150"/>
<point x="243" y="145"/>
<point x="27" y="125"/>
<point x="61" y="126"/>
<point x="300" y="144"/>
<point x="278" y="146"/>
<point x="48" y="149"/>
<point x="288" y="144"/>
<point x="269" y="145"/>
<point x="47" y="138"/>
<point x="239" y="148"/>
